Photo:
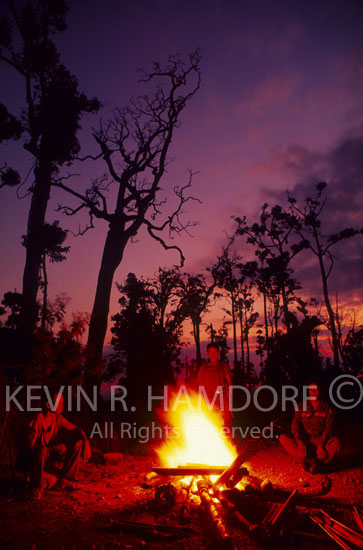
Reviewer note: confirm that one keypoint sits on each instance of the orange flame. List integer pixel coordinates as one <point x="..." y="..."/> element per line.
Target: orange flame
<point x="198" y="432"/>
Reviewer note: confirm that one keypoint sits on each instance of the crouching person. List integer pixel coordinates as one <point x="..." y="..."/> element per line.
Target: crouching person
<point x="314" y="442"/>
<point x="50" y="433"/>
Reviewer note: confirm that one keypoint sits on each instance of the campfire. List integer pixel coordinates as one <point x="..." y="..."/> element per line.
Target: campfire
<point x="201" y="469"/>
<point x="199" y="437"/>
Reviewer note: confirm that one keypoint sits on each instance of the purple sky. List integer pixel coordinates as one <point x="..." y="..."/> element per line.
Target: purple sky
<point x="280" y="107"/>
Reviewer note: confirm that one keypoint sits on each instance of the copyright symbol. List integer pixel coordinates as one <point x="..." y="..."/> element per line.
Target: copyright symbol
<point x="356" y="393"/>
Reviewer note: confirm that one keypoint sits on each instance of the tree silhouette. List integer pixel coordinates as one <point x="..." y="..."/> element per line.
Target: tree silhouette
<point x="307" y="224"/>
<point x="292" y="357"/>
<point x="146" y="333"/>
<point x="225" y="273"/>
<point x="12" y="301"/>
<point x="352" y="351"/>
<point x="58" y="355"/>
<point x="247" y="318"/>
<point x="195" y="296"/>
<point x="53" y="236"/>
<point x="10" y="126"/>
<point x="51" y="114"/>
<point x="134" y="146"/>
<point x="272" y="237"/>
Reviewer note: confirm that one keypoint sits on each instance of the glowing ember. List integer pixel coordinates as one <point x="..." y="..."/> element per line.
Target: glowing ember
<point x="199" y="435"/>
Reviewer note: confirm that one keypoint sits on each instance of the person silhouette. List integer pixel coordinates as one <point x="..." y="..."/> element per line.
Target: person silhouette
<point x="214" y="380"/>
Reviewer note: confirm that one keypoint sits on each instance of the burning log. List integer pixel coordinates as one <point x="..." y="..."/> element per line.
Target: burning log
<point x="152" y="480"/>
<point x="232" y="470"/>
<point x="206" y="499"/>
<point x="195" y="471"/>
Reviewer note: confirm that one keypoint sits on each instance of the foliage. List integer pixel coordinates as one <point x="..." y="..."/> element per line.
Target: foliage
<point x="292" y="359"/>
<point x="53" y="103"/>
<point x="275" y="248"/>
<point x="195" y="296"/>
<point x="12" y="301"/>
<point x="49" y="123"/>
<point x="147" y="332"/>
<point x="308" y="226"/>
<point x="353" y="351"/>
<point x="58" y="353"/>
<point x="10" y="127"/>
<point x="58" y="358"/>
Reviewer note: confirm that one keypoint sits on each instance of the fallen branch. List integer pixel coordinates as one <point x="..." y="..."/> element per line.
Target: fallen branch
<point x="212" y="509"/>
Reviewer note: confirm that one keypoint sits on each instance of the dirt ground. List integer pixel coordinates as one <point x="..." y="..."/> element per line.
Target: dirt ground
<point x="88" y="518"/>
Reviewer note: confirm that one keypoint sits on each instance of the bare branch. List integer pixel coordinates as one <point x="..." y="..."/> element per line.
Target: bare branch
<point x="87" y="157"/>
<point x="166" y="246"/>
<point x="12" y="64"/>
<point x="331" y="259"/>
<point x="26" y="194"/>
<point x="88" y="200"/>
<point x="68" y="211"/>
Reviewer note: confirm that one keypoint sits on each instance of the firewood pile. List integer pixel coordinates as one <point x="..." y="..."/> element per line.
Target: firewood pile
<point x="236" y="502"/>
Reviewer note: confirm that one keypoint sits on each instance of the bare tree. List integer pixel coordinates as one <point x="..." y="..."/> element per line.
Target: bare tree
<point x="134" y="146"/>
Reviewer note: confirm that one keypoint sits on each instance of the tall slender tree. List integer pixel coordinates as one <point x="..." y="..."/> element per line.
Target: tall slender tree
<point x="247" y="318"/>
<point x="195" y="296"/>
<point x="307" y="222"/>
<point x="51" y="118"/>
<point x="226" y="274"/>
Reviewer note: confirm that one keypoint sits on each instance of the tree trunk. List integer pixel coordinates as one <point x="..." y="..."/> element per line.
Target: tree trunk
<point x="196" y="333"/>
<point x="247" y="345"/>
<point x="266" y="321"/>
<point x="234" y="323"/>
<point x="316" y="342"/>
<point x="285" y="307"/>
<point x="45" y="293"/>
<point x="111" y="258"/>
<point x="34" y="251"/>
<point x="276" y="313"/>
<point x="329" y="308"/>
<point x="340" y="337"/>
<point x="242" y="341"/>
